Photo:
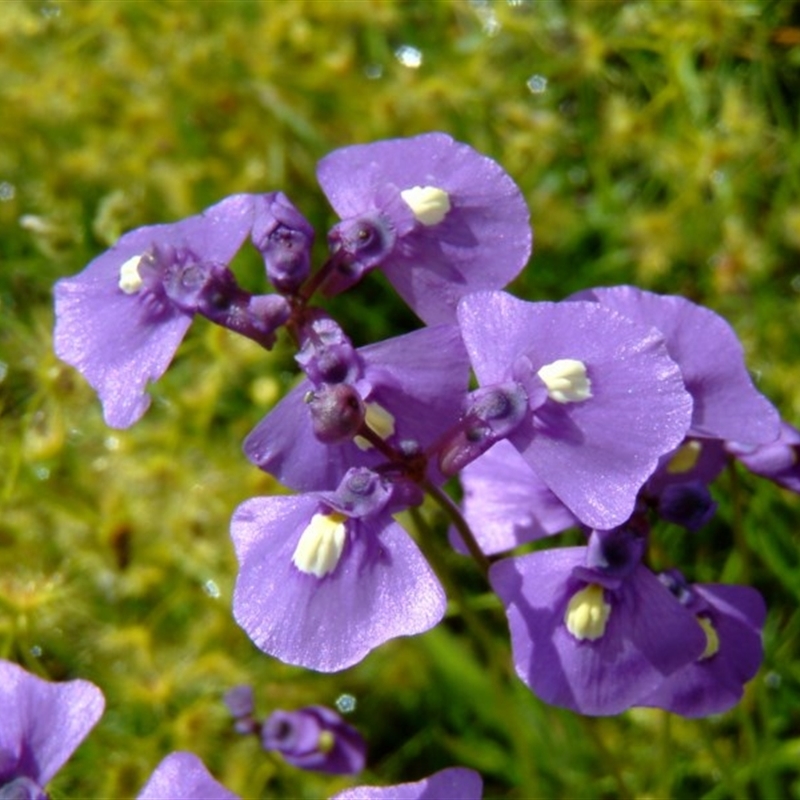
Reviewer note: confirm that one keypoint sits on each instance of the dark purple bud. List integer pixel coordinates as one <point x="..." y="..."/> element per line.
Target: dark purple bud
<point x="358" y="245"/>
<point x="687" y="504"/>
<point x="337" y="412"/>
<point x="492" y="413"/>
<point x="326" y="354"/>
<point x="315" y="738"/>
<point x="239" y="701"/>
<point x="284" y="237"/>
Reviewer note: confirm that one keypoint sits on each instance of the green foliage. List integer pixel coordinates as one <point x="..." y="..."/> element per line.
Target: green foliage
<point x="663" y="151"/>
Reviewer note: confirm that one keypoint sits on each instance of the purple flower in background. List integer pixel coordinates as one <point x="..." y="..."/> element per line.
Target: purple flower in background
<point x="707" y="350"/>
<point x="315" y="738"/>
<point x="592" y="629"/>
<point x="506" y="503"/>
<point x="324" y="578"/>
<point x="456" y="783"/>
<point x="731" y="618"/>
<point x="592" y="399"/>
<point x="411" y="388"/>
<point x="183" y="776"/>
<point x="440" y="219"/>
<point x="779" y="461"/>
<point x="120" y="321"/>
<point x="41" y="724"/>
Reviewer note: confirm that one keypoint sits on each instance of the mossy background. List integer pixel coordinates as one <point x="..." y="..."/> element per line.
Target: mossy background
<point x="656" y="143"/>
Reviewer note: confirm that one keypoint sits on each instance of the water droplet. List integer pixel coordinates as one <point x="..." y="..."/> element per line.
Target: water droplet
<point x="7" y="191"/>
<point x="41" y="473"/>
<point x="36" y="651"/>
<point x="373" y="71"/>
<point x="409" y="56"/>
<point x="717" y="177"/>
<point x="536" y="84"/>
<point x="346" y="703"/>
<point x="772" y="680"/>
<point x="112" y="443"/>
<point x="211" y="589"/>
<point x="51" y="11"/>
<point x="795" y="283"/>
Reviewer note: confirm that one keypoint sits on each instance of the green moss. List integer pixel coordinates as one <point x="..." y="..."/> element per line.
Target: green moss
<point x="664" y="151"/>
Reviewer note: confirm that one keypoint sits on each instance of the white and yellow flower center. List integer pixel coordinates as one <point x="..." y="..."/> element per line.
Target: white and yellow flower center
<point x="685" y="458"/>
<point x="379" y="420"/>
<point x="587" y="613"/>
<point x="326" y="741"/>
<point x="130" y="280"/>
<point x="321" y="544"/>
<point x="428" y="204"/>
<point x="566" y="380"/>
<point x="712" y="638"/>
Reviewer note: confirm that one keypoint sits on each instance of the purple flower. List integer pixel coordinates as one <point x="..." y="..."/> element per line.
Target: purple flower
<point x="324" y="578"/>
<point x="183" y="776"/>
<point x="456" y="783"/>
<point x="120" y="321"/>
<point x="707" y="350"/>
<point x="590" y="399"/>
<point x="506" y="503"/>
<point x="411" y="388"/>
<point x="440" y="219"/>
<point x="779" y="461"/>
<point x="315" y="738"/>
<point x="731" y="618"/>
<point x="592" y="629"/>
<point x="42" y="724"/>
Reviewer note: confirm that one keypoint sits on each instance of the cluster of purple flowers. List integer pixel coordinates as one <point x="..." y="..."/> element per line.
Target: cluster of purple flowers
<point x="607" y="411"/>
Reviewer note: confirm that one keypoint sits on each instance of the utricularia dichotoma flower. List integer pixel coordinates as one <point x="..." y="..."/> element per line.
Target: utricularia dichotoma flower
<point x="314" y="738"/>
<point x="41" y="724"/>
<point x="595" y="631"/>
<point x="440" y="219"/>
<point x="325" y="577"/>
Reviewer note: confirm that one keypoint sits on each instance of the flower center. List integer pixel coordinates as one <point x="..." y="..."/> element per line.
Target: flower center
<point x="321" y="544"/>
<point x="130" y="280"/>
<point x="428" y="204"/>
<point x="380" y="421"/>
<point x="326" y="742"/>
<point x="712" y="638"/>
<point x="587" y="613"/>
<point x="685" y="458"/>
<point x="566" y="380"/>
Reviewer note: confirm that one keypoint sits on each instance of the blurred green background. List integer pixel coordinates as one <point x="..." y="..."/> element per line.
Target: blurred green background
<point x="656" y="143"/>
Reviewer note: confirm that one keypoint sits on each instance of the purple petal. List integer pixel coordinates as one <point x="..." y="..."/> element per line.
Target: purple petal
<point x="707" y="350"/>
<point x="648" y="634"/>
<point x="43" y="722"/>
<point x="778" y="461"/>
<point x="456" y="783"/>
<point x="183" y="776"/>
<point x="381" y="588"/>
<point x="120" y="341"/>
<point x="506" y="503"/>
<point x="482" y="243"/>
<point x="419" y="378"/>
<point x="715" y="684"/>
<point x="594" y="454"/>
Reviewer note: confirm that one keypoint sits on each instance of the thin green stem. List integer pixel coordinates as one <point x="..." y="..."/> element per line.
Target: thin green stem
<point x="444" y="501"/>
